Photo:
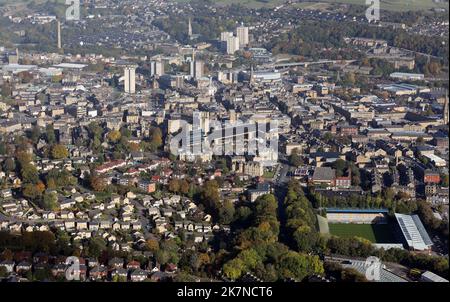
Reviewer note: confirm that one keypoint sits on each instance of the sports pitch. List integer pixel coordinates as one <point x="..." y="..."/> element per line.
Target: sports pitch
<point x="376" y="233"/>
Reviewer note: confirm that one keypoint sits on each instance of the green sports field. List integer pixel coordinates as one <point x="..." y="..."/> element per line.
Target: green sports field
<point x="376" y="233"/>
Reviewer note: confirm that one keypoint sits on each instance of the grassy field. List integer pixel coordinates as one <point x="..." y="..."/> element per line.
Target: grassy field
<point x="393" y="5"/>
<point x="376" y="233"/>
<point x="269" y="174"/>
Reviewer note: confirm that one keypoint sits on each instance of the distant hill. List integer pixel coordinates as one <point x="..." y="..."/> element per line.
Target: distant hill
<point x="398" y="5"/>
<point x="394" y="5"/>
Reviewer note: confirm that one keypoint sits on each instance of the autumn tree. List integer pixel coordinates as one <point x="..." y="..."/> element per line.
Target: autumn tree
<point x="33" y="191"/>
<point x="59" y="151"/>
<point x="210" y="197"/>
<point x="174" y="186"/>
<point x="184" y="186"/>
<point x="98" y="183"/>
<point x="152" y="245"/>
<point x="114" y="136"/>
<point x="155" y="139"/>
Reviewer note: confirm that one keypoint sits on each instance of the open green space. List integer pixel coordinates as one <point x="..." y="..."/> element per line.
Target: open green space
<point x="269" y="174"/>
<point x="376" y="233"/>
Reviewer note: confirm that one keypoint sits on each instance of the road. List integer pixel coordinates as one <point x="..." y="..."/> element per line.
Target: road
<point x="280" y="192"/>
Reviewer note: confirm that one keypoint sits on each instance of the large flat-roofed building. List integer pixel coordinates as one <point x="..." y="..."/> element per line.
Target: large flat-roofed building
<point x="407" y="76"/>
<point x="267" y="76"/>
<point x="400" y="89"/>
<point x="324" y="176"/>
<point x="437" y="161"/>
<point x="74" y="66"/>
<point x="414" y="233"/>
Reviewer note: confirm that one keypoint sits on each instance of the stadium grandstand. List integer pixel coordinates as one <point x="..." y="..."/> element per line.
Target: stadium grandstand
<point x="359" y="216"/>
<point x="414" y="233"/>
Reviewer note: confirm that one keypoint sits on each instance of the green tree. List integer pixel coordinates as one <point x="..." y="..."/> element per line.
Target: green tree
<point x="3" y="272"/>
<point x="349" y="79"/>
<point x="96" y="246"/>
<point x="226" y="212"/>
<point x="210" y="196"/>
<point x="298" y="266"/>
<point x="50" y="134"/>
<point x="6" y="89"/>
<point x="9" y="165"/>
<point x="250" y="258"/>
<point x="50" y="201"/>
<point x="295" y="159"/>
<point x="328" y="136"/>
<point x="35" y="134"/>
<point x="29" y="173"/>
<point x="233" y="269"/>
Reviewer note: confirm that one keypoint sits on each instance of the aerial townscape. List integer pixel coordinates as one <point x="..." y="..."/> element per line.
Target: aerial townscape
<point x="224" y="141"/>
